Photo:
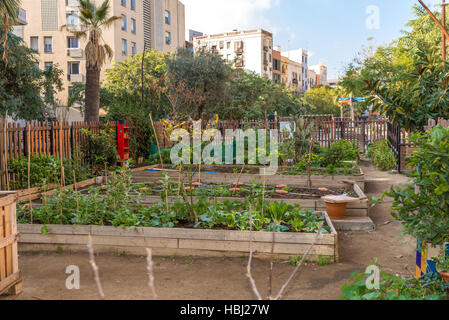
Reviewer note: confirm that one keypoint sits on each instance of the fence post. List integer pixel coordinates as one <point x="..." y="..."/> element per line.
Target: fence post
<point x="364" y="135"/>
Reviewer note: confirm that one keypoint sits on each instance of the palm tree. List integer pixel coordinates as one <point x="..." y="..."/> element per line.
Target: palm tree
<point x="8" y="16"/>
<point x="93" y="19"/>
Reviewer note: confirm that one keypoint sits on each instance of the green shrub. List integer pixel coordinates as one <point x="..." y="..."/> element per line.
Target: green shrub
<point x="424" y="214"/>
<point x="338" y="152"/>
<point x="381" y="155"/>
<point x="391" y="287"/>
<point x="44" y="169"/>
<point x="101" y="150"/>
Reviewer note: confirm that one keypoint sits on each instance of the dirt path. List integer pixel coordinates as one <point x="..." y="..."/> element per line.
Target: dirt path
<point x="124" y="277"/>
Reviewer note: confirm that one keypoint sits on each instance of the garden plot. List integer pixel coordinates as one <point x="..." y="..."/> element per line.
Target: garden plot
<point x="230" y="174"/>
<point x="176" y="240"/>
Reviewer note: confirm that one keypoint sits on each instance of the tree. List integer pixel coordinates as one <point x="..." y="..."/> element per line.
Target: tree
<point x="203" y="76"/>
<point x="8" y="16"/>
<point x="405" y="80"/>
<point x="25" y="90"/>
<point x="123" y="83"/>
<point x="93" y="19"/>
<point x="322" y="100"/>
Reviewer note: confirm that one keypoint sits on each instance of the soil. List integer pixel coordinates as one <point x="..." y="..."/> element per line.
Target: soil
<point x="125" y="277"/>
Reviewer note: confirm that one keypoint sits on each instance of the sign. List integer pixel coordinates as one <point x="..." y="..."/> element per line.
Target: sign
<point x="344" y="99"/>
<point x="359" y="99"/>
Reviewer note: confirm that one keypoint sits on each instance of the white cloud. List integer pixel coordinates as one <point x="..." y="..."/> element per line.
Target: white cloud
<point x="216" y="16"/>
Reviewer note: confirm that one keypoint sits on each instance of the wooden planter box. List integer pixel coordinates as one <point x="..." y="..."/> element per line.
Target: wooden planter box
<point x="179" y="240"/>
<point x="356" y="209"/>
<point x="10" y="277"/>
<point x="36" y="192"/>
<point x="300" y="180"/>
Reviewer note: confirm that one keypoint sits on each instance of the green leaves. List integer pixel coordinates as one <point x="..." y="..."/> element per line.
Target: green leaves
<point x="424" y="214"/>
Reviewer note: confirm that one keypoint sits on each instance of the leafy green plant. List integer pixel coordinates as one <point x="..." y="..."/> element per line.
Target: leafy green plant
<point x="101" y="150"/>
<point x="391" y="287"/>
<point x="338" y="152"/>
<point x="442" y="261"/>
<point x="44" y="170"/>
<point x="381" y="155"/>
<point x="423" y="213"/>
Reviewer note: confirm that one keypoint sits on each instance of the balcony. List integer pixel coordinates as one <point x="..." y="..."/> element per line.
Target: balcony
<point x="76" y="77"/>
<point x="75" y="53"/>
<point x="73" y="3"/>
<point x="238" y="47"/>
<point x="22" y="17"/>
<point x="74" y="28"/>
<point x="240" y="63"/>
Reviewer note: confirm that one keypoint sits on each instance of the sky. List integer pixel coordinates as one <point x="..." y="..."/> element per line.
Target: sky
<point x="333" y="31"/>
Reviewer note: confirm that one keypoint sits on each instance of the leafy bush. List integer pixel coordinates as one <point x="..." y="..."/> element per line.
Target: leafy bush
<point x="424" y="214"/>
<point x="44" y="169"/>
<point x="101" y="150"/>
<point x="338" y="152"/>
<point x="429" y="287"/>
<point x="381" y="155"/>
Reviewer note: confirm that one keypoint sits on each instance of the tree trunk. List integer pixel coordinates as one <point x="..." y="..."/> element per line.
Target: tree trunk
<point x="92" y="112"/>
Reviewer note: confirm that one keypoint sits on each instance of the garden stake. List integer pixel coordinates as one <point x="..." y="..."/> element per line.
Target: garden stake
<point x="5" y="124"/>
<point x="150" y="273"/>
<point x="284" y="287"/>
<point x="94" y="267"/>
<point x="270" y="274"/>
<point x="248" y="268"/>
<point x="76" y="191"/>
<point x="62" y="167"/>
<point x="29" y="169"/>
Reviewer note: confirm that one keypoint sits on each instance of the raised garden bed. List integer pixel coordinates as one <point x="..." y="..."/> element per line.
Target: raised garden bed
<point x="210" y="175"/>
<point x="178" y="239"/>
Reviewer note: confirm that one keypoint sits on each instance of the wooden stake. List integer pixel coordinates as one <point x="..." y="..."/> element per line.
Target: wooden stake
<point x="29" y="169"/>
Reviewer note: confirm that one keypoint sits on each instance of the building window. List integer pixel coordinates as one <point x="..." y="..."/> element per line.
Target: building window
<point x="48" y="44"/>
<point x="167" y="17"/>
<point x="228" y="45"/>
<point x="48" y="65"/>
<point x="133" y="26"/>
<point x="124" y="26"/>
<point x="73" y="43"/>
<point x="168" y="38"/>
<point x="133" y="5"/>
<point x="74" y="67"/>
<point x="34" y="44"/>
<point x="134" y="48"/>
<point x="124" y="47"/>
<point x="72" y="18"/>
<point x="124" y="3"/>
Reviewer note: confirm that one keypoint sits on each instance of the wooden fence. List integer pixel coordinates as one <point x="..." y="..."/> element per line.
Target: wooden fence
<point x="327" y="131"/>
<point x="10" y="277"/>
<point x="50" y="138"/>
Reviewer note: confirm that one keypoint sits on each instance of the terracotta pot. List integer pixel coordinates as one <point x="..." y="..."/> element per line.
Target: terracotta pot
<point x="336" y="211"/>
<point x="445" y="276"/>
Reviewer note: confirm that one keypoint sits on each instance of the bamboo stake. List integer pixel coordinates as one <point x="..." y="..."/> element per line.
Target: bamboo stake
<point x="292" y="276"/>
<point x="6" y="151"/>
<point x="76" y="191"/>
<point x="61" y="182"/>
<point x="150" y="273"/>
<point x="94" y="267"/>
<point x="248" y="268"/>
<point x="29" y="170"/>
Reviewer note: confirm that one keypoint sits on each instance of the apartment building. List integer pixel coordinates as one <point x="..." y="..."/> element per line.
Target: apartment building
<point x="284" y="70"/>
<point x="295" y="77"/>
<point x="312" y="79"/>
<point x="194" y="34"/>
<point x="159" y="22"/>
<point x="21" y="22"/>
<point x="164" y="24"/>
<point x="277" y="57"/>
<point x="250" y="50"/>
<point x="321" y="71"/>
<point x="300" y="56"/>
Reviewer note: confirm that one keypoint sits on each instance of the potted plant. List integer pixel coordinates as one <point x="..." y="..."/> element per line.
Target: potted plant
<point x="442" y="264"/>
